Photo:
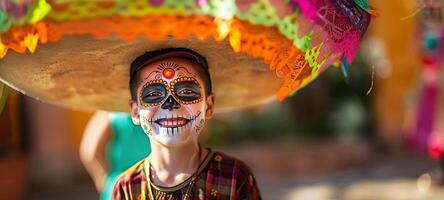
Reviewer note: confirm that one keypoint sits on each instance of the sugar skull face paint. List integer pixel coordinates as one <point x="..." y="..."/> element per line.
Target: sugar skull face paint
<point x="184" y="90"/>
<point x="172" y="105"/>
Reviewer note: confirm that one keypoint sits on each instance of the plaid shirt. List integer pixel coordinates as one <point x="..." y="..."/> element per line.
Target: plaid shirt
<point x="218" y="177"/>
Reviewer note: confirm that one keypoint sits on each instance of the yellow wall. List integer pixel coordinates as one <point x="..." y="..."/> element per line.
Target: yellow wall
<point x="390" y="93"/>
<point x="78" y="121"/>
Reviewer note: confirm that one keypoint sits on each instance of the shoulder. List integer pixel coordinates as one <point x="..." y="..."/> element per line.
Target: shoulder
<point x="232" y="162"/>
<point x="129" y="181"/>
<point x="228" y="169"/>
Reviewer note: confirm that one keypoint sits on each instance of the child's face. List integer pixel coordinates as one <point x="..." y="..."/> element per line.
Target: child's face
<point x="171" y="103"/>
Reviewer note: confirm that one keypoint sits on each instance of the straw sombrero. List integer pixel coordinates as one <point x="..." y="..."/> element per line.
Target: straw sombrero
<point x="77" y="53"/>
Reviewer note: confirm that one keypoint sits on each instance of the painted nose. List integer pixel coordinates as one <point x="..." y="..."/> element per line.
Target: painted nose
<point x="170" y="104"/>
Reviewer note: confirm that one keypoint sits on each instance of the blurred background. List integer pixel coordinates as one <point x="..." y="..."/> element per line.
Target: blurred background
<point x="376" y="134"/>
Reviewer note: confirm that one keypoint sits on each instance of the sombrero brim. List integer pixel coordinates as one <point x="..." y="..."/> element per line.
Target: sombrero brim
<point x="3" y="96"/>
<point x="87" y="73"/>
<point x="257" y="51"/>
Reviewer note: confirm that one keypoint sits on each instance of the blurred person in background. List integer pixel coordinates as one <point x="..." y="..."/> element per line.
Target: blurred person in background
<point x="111" y="143"/>
<point x="426" y="133"/>
<point x="434" y="26"/>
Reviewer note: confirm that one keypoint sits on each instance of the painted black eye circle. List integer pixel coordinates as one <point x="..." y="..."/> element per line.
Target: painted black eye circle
<point x="187" y="90"/>
<point x="154" y="93"/>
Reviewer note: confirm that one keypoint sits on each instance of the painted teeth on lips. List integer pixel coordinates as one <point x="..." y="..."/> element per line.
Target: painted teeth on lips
<point x="172" y="122"/>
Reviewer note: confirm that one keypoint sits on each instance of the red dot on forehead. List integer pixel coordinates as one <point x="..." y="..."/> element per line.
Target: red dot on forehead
<point x="168" y="73"/>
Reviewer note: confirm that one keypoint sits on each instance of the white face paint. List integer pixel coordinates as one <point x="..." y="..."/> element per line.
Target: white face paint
<point x="171" y="129"/>
<point x="171" y="105"/>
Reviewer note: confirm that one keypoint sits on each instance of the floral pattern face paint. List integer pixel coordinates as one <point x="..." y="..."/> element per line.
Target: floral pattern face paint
<point x="171" y="101"/>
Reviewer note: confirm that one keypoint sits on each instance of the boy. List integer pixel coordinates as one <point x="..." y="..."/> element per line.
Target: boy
<point x="171" y="99"/>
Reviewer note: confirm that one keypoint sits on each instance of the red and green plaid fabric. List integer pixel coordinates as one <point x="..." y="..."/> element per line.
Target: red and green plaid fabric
<point x="220" y="177"/>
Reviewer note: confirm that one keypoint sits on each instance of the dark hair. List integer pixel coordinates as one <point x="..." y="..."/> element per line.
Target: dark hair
<point x="152" y="56"/>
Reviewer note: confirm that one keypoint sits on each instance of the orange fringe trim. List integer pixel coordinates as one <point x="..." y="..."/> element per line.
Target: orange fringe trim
<point x="267" y="43"/>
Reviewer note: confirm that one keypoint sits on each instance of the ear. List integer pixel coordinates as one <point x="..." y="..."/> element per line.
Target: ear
<point x="209" y="111"/>
<point x="134" y="112"/>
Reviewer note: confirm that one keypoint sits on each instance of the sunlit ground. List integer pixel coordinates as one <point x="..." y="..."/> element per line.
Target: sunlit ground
<point x="390" y="189"/>
<point x="381" y="176"/>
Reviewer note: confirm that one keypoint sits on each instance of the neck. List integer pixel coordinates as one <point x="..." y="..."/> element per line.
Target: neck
<point x="173" y="165"/>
